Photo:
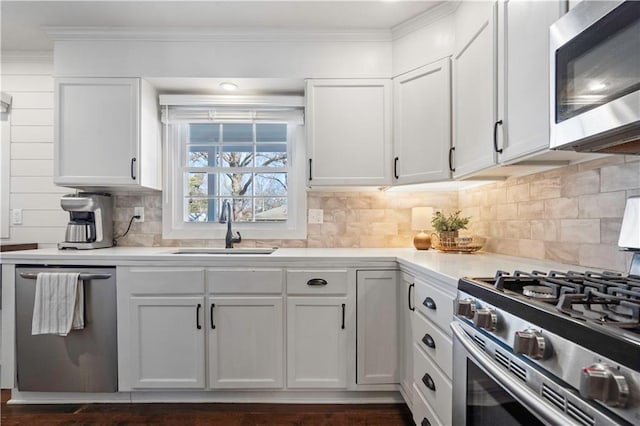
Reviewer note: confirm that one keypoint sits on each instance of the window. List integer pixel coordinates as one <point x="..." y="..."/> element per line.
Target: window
<point x="254" y="159"/>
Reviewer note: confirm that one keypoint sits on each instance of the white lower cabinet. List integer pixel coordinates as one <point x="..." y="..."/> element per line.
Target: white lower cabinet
<point x="167" y="342"/>
<point x="317" y="342"/>
<point x="378" y="319"/>
<point x="245" y="342"/>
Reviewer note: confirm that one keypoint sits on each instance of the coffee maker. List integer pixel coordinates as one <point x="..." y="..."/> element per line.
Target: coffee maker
<point x="91" y="224"/>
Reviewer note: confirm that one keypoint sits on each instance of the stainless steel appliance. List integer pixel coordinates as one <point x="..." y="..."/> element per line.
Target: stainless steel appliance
<point x="85" y="360"/>
<point x="90" y="224"/>
<point x="548" y="348"/>
<point x="595" y="78"/>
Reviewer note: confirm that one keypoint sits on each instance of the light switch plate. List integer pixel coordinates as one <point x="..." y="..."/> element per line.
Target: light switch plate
<point x="16" y="216"/>
<point x="316" y="216"/>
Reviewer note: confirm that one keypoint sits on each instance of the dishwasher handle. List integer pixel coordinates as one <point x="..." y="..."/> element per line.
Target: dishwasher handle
<point x="83" y="276"/>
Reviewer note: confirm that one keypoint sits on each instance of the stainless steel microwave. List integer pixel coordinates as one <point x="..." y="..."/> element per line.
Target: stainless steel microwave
<point x="595" y="78"/>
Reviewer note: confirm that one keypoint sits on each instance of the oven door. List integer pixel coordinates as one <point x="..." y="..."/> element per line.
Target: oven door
<point x="485" y="394"/>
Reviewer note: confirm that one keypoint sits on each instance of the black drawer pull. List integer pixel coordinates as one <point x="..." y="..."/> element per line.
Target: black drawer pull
<point x="428" y="340"/>
<point x="198" y="326"/>
<point x="428" y="382"/>
<point x="395" y="167"/>
<point x="213" y="326"/>
<point x="453" y="148"/>
<point x="317" y="281"/>
<point x="343" y="308"/>
<point x="429" y="303"/>
<point x="409" y="297"/>
<point x="425" y="422"/>
<point x="310" y="174"/>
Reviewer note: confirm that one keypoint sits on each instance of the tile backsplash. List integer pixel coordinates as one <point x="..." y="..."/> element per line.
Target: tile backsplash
<point x="570" y="214"/>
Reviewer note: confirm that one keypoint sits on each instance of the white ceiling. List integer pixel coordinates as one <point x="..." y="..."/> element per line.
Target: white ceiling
<point x="22" y="21"/>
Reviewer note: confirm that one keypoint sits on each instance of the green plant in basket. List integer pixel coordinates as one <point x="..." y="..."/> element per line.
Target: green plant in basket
<point x="450" y="223"/>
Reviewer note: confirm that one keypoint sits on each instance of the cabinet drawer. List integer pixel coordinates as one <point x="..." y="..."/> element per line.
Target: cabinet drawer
<point x="163" y="280"/>
<point x="433" y="385"/>
<point x="434" y="304"/>
<point x="434" y="342"/>
<point x="320" y="281"/>
<point x="238" y="281"/>
<point x="423" y="415"/>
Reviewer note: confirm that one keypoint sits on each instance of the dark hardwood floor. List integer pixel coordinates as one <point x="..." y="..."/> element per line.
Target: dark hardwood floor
<point x="204" y="414"/>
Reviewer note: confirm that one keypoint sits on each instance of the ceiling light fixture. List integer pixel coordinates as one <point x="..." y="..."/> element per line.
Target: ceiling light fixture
<point x="230" y="87"/>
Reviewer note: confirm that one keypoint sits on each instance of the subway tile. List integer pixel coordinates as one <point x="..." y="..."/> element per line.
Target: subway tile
<point x="574" y="184"/>
<point x="619" y="177"/>
<point x="531" y="210"/>
<point x="545" y="230"/>
<point x="603" y="257"/>
<point x="545" y="188"/>
<point x="507" y="211"/>
<point x="610" y="230"/>
<point x="562" y="252"/>
<point x="580" y="230"/>
<point x="516" y="229"/>
<point x="517" y="193"/>
<point x="531" y="248"/>
<point x="561" y="208"/>
<point x="606" y="204"/>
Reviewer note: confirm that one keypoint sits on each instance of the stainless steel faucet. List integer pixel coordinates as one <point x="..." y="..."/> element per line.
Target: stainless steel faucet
<point x="225" y="216"/>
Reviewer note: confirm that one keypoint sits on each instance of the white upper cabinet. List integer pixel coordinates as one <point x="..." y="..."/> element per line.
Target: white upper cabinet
<point x="349" y="132"/>
<point x="422" y="124"/>
<point x="107" y="134"/>
<point x="501" y="82"/>
<point x="523" y="60"/>
<point x="474" y="88"/>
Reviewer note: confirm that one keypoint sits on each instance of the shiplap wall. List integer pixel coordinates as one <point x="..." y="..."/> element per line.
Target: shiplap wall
<point x="27" y="77"/>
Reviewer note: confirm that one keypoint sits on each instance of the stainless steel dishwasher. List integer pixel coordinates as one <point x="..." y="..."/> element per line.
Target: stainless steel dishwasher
<point x="85" y="360"/>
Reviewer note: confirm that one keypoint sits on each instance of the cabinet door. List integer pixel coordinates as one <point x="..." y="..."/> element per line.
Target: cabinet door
<point x="245" y="342"/>
<point x="378" y="315"/>
<point x="422" y="123"/>
<point x="474" y="88"/>
<point x="97" y="131"/>
<point x="167" y="341"/>
<point x="349" y="132"/>
<point x="523" y="102"/>
<point x="316" y="342"/>
<point x="406" y="305"/>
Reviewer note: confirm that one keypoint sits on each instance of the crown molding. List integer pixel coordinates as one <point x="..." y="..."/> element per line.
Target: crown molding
<point x="182" y="34"/>
<point x="9" y="56"/>
<point x="424" y="19"/>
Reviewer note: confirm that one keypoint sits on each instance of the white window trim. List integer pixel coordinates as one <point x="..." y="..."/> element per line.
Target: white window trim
<point x="174" y="227"/>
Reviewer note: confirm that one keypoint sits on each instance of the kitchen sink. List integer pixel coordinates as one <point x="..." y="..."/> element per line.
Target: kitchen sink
<point x="233" y="251"/>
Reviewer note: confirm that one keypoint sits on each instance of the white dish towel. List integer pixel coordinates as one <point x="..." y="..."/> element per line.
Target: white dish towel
<point x="59" y="303"/>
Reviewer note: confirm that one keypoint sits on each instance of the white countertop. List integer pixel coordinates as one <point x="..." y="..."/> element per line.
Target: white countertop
<point x="447" y="267"/>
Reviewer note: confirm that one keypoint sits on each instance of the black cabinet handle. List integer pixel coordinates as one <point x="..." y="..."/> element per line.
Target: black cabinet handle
<point x="317" y="282"/>
<point x="425" y="422"/>
<point x="428" y="382"/>
<point x="409" y="297"/>
<point x="343" y="316"/>
<point x="198" y="326"/>
<point x="453" y="148"/>
<point x="429" y="303"/>
<point x="495" y="136"/>
<point x="310" y="175"/>
<point x="395" y="167"/>
<point x="213" y="326"/>
<point x="428" y="340"/>
<point x="133" y="163"/>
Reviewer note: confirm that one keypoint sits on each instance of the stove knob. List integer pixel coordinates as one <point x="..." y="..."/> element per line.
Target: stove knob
<point x="604" y="383"/>
<point x="485" y="318"/>
<point x="466" y="308"/>
<point x="532" y="343"/>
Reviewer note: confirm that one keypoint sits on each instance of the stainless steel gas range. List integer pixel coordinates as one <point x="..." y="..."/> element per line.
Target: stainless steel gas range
<point x="548" y="348"/>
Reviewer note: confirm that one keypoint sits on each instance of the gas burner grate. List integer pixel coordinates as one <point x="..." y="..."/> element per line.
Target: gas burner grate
<point x="618" y="307"/>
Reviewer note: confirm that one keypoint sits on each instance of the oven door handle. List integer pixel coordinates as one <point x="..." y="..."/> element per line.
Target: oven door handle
<point x="543" y="410"/>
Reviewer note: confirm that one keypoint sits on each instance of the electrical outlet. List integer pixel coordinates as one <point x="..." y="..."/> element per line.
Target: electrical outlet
<point x="138" y="211"/>
<point x="16" y="216"/>
<point x="316" y="216"/>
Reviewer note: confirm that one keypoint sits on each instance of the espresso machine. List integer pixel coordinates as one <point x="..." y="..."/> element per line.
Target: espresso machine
<point x="91" y="223"/>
